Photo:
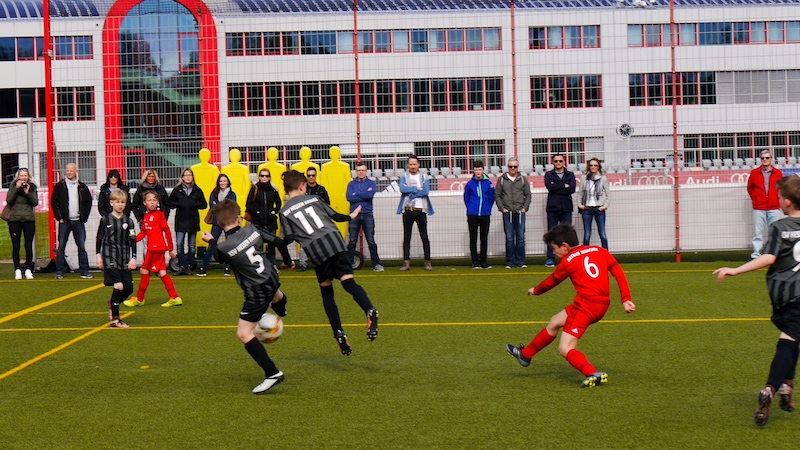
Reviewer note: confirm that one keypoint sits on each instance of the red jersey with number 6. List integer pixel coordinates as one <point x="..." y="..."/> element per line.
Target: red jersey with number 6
<point x="588" y="268"/>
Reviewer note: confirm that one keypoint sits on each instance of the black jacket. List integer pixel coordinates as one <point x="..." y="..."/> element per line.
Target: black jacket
<point x="263" y="203"/>
<point x="59" y="201"/>
<point x="138" y="208"/>
<point x="559" y="197"/>
<point x="104" y="200"/>
<point x="320" y="191"/>
<point x="187" y="208"/>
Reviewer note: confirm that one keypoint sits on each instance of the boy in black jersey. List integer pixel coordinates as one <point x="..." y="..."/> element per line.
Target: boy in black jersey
<point x="243" y="250"/>
<point x="116" y="254"/>
<point x="308" y="220"/>
<point x="781" y="254"/>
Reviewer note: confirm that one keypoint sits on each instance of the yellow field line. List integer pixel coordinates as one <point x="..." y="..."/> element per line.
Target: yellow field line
<point x="48" y="303"/>
<point x="57" y="349"/>
<point x="414" y="324"/>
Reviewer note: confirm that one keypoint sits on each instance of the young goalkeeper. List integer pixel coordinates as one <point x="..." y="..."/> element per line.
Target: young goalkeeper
<point x="783" y="285"/>
<point x="309" y="220"/>
<point x="243" y="250"/>
<point x="588" y="268"/>
<point x="159" y="240"/>
<point x="116" y="254"/>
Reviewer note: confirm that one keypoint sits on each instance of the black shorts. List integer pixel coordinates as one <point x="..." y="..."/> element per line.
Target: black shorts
<point x="334" y="268"/>
<point x="787" y="319"/>
<point x="257" y="300"/>
<point x="113" y="275"/>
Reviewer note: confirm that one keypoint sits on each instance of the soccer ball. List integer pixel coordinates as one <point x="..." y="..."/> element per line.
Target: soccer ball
<point x="269" y="328"/>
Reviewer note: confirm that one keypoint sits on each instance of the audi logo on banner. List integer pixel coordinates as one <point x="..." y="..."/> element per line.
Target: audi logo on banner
<point x="740" y="177"/>
<point x="656" y="179"/>
<point x="457" y="185"/>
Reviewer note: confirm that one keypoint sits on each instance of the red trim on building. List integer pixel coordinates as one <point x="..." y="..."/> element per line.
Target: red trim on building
<point x="209" y="79"/>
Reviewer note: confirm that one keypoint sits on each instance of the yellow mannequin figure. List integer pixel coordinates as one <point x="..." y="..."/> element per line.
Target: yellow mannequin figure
<point x="305" y="162"/>
<point x="205" y="177"/>
<point x="239" y="175"/>
<point x="335" y="175"/>
<point x="276" y="170"/>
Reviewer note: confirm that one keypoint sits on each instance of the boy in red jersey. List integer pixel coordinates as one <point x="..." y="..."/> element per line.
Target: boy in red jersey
<point x="159" y="240"/>
<point x="588" y="268"/>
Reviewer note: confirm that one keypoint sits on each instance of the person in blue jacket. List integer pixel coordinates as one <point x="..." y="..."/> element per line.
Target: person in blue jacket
<point x="479" y="199"/>
<point x="359" y="193"/>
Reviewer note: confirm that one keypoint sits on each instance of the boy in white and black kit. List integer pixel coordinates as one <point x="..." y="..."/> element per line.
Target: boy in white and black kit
<point x="308" y="220"/>
<point x="243" y="250"/>
<point x="116" y="254"/>
<point x="781" y="254"/>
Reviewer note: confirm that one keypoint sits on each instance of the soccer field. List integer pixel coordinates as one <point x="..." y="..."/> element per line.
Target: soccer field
<point x="684" y="369"/>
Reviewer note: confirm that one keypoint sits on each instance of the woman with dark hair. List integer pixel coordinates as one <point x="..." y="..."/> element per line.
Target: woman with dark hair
<point x="113" y="183"/>
<point x="22" y="198"/>
<point x="594" y="198"/>
<point x="188" y="199"/>
<point x="263" y="203"/>
<point x="221" y="192"/>
<point x="150" y="182"/>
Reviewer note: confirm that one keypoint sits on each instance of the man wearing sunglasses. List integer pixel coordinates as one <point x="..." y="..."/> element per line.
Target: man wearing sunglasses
<point x="766" y="209"/>
<point x="513" y="199"/>
<point x="560" y="184"/>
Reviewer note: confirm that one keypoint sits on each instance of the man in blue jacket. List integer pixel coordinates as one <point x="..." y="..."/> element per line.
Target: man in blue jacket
<point x="360" y="192"/>
<point x="479" y="199"/>
<point x="560" y="184"/>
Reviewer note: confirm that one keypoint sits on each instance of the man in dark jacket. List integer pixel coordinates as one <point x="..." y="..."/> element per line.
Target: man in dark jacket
<point x="312" y="188"/>
<point x="560" y="184"/>
<point x="71" y="203"/>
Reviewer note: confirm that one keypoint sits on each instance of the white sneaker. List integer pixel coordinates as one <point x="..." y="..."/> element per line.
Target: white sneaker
<point x="268" y="383"/>
<point x="17" y="274"/>
<point x="28" y="274"/>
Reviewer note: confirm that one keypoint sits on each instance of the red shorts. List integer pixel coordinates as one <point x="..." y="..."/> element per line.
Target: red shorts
<point x="154" y="262"/>
<point x="581" y="315"/>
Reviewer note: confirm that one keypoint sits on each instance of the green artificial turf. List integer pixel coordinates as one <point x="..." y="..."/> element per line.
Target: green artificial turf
<point x="684" y="369"/>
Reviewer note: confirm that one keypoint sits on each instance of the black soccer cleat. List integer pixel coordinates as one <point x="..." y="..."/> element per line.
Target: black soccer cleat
<point x="785" y="396"/>
<point x="344" y="345"/>
<point x="516" y="352"/>
<point x="372" y="324"/>
<point x="764" y="402"/>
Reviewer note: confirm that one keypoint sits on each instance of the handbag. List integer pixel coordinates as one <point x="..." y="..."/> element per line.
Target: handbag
<point x="209" y="219"/>
<point x="6" y="214"/>
<point x="247" y="216"/>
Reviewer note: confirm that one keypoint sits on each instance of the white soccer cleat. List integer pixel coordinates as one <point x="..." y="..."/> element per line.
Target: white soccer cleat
<point x="268" y="383"/>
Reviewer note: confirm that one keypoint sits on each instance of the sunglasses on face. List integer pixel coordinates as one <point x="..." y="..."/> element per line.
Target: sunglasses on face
<point x="513" y="167"/>
<point x="264" y="176"/>
<point x="766" y="158"/>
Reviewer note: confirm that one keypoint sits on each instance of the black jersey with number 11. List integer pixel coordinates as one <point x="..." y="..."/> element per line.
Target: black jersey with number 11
<point x="309" y="221"/>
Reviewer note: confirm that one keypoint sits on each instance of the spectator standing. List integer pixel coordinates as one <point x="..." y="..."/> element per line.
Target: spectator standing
<point x="22" y="198"/>
<point x="113" y="183"/>
<point x="513" y="198"/>
<point x="415" y="206"/>
<point x="150" y="182"/>
<point x="263" y="203"/>
<point x="222" y="191"/>
<point x="71" y="202"/>
<point x="312" y="188"/>
<point x="360" y="192"/>
<point x="188" y="199"/>
<point x="766" y="208"/>
<point x="479" y="198"/>
<point x="594" y="200"/>
<point x="560" y="184"/>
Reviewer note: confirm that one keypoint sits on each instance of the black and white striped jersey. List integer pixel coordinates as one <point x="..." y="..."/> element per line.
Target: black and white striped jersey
<point x="309" y="221"/>
<point x="243" y="249"/>
<point x="783" y="276"/>
<point x="116" y="241"/>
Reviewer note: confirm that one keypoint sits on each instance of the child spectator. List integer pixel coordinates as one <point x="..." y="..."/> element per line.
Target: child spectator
<point x="588" y="268"/>
<point x="243" y="250"/>
<point x="309" y="220"/>
<point x="783" y="285"/>
<point x="155" y="228"/>
<point x="116" y="253"/>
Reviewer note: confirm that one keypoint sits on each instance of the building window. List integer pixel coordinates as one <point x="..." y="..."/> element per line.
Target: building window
<point x="74" y="103"/>
<point x="570" y="91"/>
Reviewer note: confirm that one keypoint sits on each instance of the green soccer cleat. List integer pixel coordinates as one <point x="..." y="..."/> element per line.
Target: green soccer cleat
<point x="595" y="379"/>
<point x="173" y="302"/>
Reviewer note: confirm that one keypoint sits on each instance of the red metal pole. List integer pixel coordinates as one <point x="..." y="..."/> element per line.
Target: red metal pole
<point x="514" y="78"/>
<point x="49" y="118"/>
<point x="676" y="168"/>
<point x="357" y="89"/>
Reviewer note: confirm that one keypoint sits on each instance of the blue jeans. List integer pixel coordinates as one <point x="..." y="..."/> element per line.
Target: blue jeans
<point x="78" y="231"/>
<point x="554" y="218"/>
<point x="599" y="217"/>
<point x="212" y="248"/>
<point x="367" y="222"/>
<point x="183" y="258"/>
<point x="514" y="227"/>
<point x="761" y="221"/>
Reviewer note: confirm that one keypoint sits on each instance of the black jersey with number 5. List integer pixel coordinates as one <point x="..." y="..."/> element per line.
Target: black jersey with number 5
<point x="243" y="249"/>
<point x="309" y="220"/>
<point x="783" y="276"/>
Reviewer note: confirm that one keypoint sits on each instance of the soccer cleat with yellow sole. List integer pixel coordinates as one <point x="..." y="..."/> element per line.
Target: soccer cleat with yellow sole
<point x="595" y="379"/>
<point x="173" y="302"/>
<point x="133" y="301"/>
